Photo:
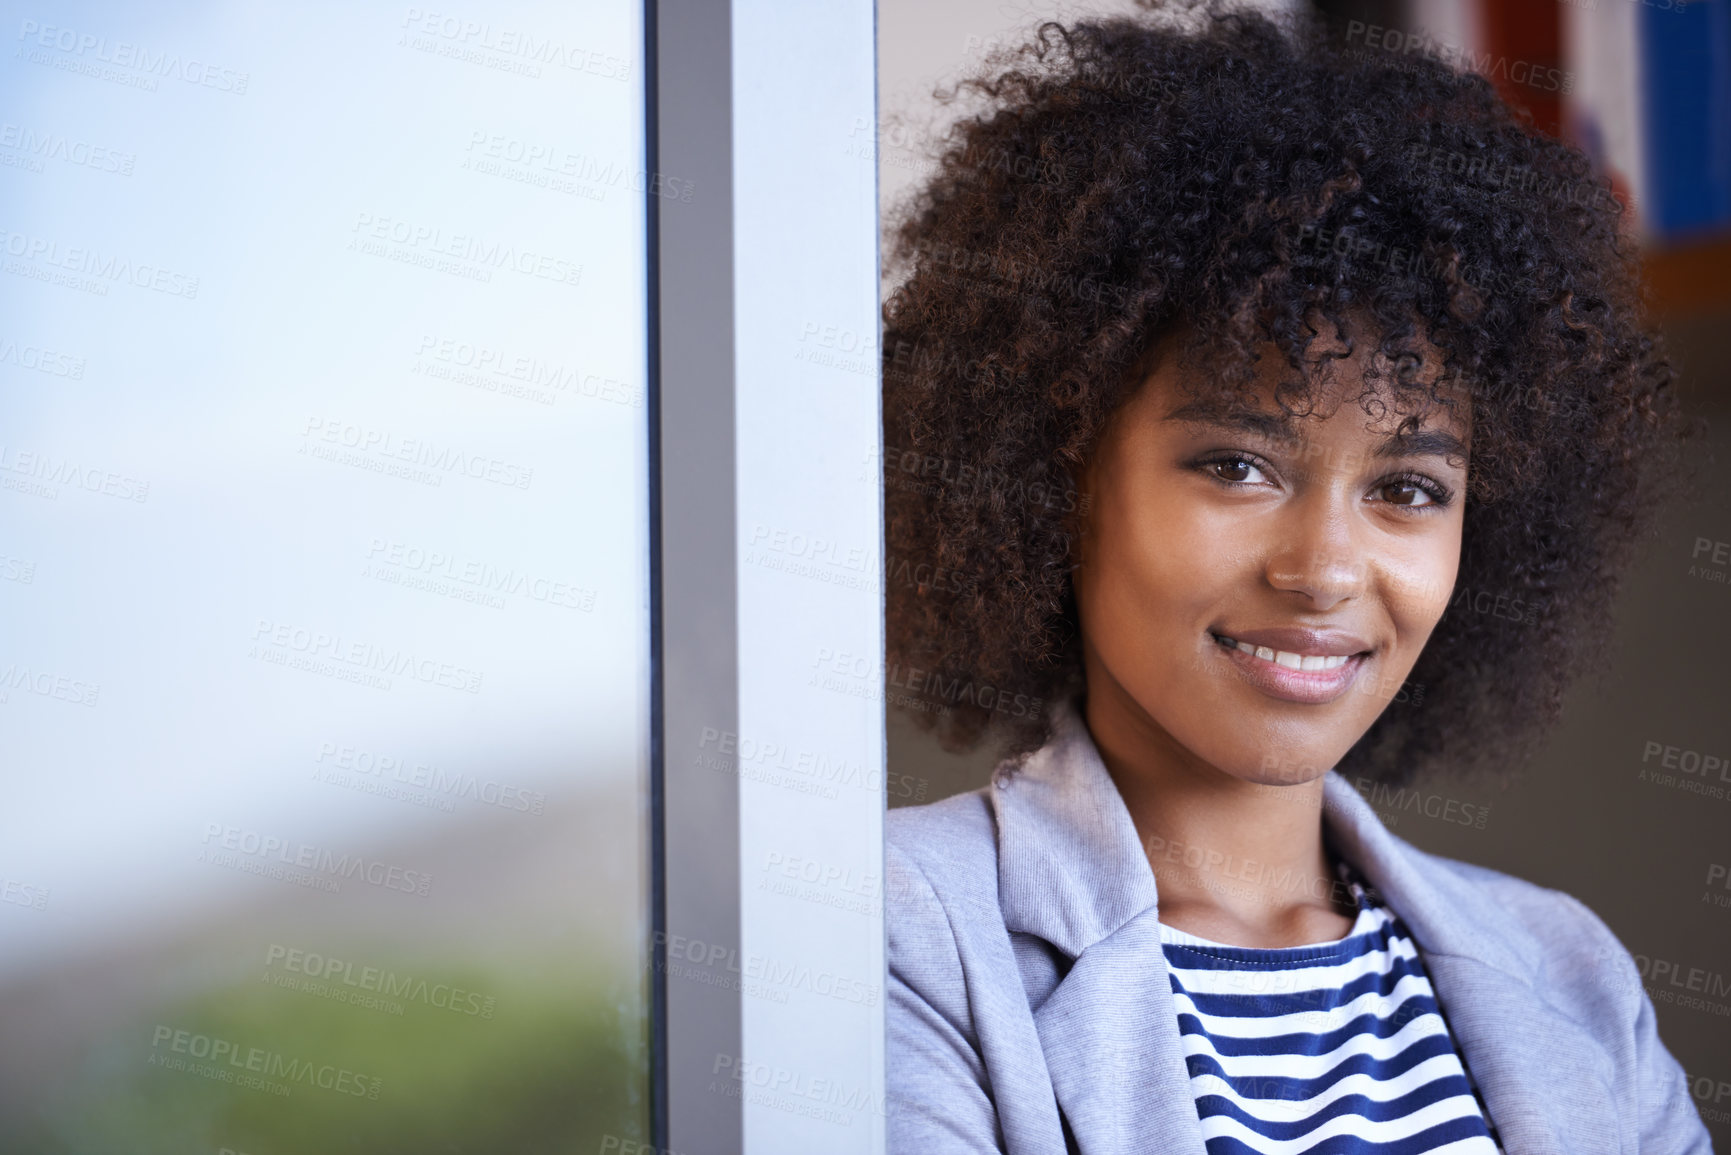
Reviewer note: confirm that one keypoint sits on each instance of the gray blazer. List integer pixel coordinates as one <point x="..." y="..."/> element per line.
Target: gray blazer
<point x="1030" y="1011"/>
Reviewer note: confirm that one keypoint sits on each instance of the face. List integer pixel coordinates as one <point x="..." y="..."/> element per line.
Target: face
<point x="1254" y="593"/>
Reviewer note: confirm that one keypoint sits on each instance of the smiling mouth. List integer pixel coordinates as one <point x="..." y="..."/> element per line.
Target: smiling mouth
<point x="1286" y="658"/>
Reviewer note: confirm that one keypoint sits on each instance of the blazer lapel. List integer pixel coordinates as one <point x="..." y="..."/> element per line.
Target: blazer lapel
<point x="1546" y="1083"/>
<point x="1544" y="1080"/>
<point x="1072" y="871"/>
<point x="1113" y="1048"/>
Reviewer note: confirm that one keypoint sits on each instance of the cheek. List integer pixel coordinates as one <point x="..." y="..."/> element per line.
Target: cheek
<point x="1157" y="560"/>
<point x="1420" y="583"/>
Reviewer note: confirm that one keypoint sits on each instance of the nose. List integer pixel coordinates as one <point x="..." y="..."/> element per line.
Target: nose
<point x="1315" y="554"/>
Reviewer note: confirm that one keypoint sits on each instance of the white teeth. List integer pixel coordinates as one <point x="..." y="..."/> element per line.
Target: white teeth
<point x="1293" y="661"/>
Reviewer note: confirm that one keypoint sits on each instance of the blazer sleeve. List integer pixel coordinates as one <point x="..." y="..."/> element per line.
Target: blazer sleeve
<point x="938" y="1096"/>
<point x="1667" y="1120"/>
<point x="1670" y="1122"/>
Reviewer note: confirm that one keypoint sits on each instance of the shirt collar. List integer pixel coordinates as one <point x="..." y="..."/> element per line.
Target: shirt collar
<point x="1072" y="870"/>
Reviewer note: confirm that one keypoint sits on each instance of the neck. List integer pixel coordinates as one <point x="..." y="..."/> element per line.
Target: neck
<point x="1234" y="860"/>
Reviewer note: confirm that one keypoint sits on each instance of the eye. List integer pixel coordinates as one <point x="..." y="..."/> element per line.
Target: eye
<point x="1235" y="469"/>
<point x="1412" y="491"/>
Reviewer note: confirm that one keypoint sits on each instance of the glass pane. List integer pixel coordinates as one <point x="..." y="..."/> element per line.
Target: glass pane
<point x="323" y="579"/>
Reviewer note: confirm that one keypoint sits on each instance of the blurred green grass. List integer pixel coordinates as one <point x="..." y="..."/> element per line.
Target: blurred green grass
<point x="563" y="1063"/>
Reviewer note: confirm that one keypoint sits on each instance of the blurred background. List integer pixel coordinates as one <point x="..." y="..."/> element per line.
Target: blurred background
<point x="324" y="670"/>
<point x="1629" y="808"/>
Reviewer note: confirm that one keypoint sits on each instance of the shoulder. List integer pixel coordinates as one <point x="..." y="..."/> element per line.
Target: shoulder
<point x="961" y="826"/>
<point x="941" y="863"/>
<point x="1575" y="965"/>
<point x="940" y="911"/>
<point x="1565" y="950"/>
<point x="1538" y="916"/>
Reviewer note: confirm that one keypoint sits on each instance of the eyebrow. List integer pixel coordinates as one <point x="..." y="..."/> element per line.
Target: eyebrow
<point x="1282" y="427"/>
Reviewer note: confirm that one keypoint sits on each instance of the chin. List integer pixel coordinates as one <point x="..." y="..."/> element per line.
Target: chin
<point x="1276" y="769"/>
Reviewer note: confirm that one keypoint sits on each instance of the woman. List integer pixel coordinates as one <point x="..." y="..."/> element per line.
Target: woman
<point x="1221" y="385"/>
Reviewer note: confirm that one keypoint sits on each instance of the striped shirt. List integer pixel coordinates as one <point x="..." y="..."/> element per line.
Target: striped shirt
<point x="1333" y="1048"/>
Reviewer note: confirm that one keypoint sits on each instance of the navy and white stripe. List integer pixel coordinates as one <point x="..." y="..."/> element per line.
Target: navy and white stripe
<point x="1334" y="1048"/>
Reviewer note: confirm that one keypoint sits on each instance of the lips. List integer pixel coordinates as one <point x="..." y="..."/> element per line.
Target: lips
<point x="1301" y="641"/>
<point x="1295" y="664"/>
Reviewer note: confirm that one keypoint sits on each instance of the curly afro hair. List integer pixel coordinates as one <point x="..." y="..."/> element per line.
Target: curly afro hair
<point x="1131" y="178"/>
